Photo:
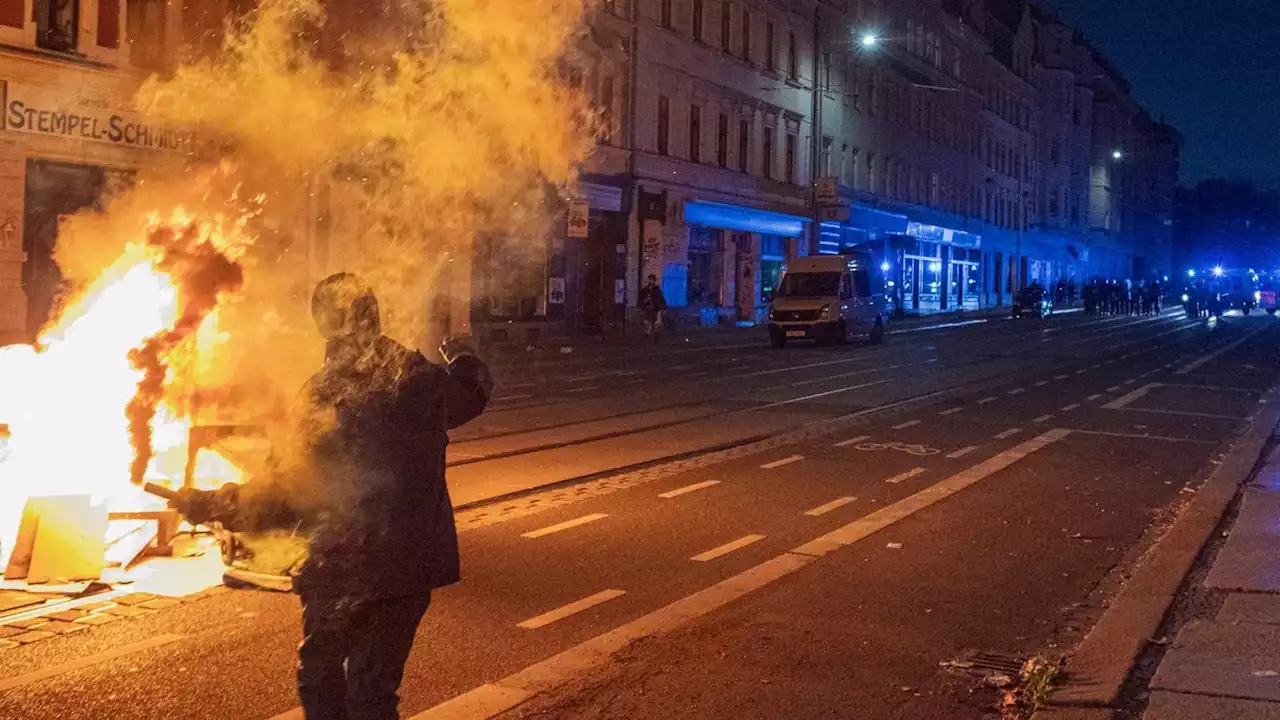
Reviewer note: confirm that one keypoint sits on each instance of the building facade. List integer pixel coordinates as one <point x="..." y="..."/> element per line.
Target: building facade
<point x="976" y="146"/>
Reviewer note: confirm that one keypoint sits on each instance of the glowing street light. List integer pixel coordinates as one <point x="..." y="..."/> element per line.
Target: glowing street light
<point x="1191" y="273"/>
<point x="1218" y="271"/>
<point x="884" y="267"/>
<point x="870" y="40"/>
<point x="1117" y="155"/>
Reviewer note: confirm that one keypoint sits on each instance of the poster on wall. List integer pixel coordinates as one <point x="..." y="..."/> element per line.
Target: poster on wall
<point x="579" y="220"/>
<point x="556" y="294"/>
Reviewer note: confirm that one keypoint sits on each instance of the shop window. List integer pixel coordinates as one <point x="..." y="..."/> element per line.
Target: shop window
<point x="766" y="160"/>
<point x="145" y="34"/>
<point x="706" y="265"/>
<point x="722" y="141"/>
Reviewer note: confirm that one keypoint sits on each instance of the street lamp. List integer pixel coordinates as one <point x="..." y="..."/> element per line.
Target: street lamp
<point x="870" y="40"/>
<point x="1191" y="273"/>
<point x="884" y="267"/>
<point x="1117" y="155"/>
<point x="1218" y="271"/>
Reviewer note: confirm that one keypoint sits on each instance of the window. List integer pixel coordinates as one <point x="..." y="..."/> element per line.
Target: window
<point x="744" y="145"/>
<point x="665" y="13"/>
<point x="770" y="50"/>
<point x="146" y="33"/>
<point x="746" y="34"/>
<point x="934" y="194"/>
<point x="826" y="72"/>
<point x="726" y="26"/>
<point x="790" y="170"/>
<point x="664" y="124"/>
<point x="766" y="155"/>
<point x="871" y="172"/>
<point x="606" y="110"/>
<point x="827" y="142"/>
<point x="793" y="59"/>
<point x="722" y="141"/>
<point x="699" y="10"/>
<point x="1054" y="149"/>
<point x="911" y="36"/>
<point x="695" y="133"/>
<point x="57" y="24"/>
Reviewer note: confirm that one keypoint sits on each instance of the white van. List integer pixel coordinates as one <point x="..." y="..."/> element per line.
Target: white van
<point x="829" y="298"/>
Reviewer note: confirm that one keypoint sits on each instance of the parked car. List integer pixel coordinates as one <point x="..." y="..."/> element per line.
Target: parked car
<point x="1267" y="297"/>
<point x="1032" y="300"/>
<point x="829" y="298"/>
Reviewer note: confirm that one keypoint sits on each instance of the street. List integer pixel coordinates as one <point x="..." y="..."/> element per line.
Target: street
<point x="719" y="529"/>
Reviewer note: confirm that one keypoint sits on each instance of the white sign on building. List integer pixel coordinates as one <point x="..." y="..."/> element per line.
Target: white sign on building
<point x="45" y="111"/>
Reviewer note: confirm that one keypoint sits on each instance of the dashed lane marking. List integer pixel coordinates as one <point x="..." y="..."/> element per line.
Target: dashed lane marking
<point x="1042" y="383"/>
<point x="1008" y="433"/>
<point x="1130" y="381"/>
<point x="1069" y="408"/>
<point x="1082" y="371"/>
<point x="962" y="452"/>
<point x="1060" y="377"/>
<point x="688" y="489"/>
<point x="588" y="388"/>
<point x="1120" y="402"/>
<point x="784" y="461"/>
<point x="1113" y="388"/>
<point x="852" y="441"/>
<point x="490" y="699"/>
<point x="1095" y="396"/>
<point x="833" y="505"/>
<point x="727" y="548"/>
<point x="986" y="400"/>
<point x="566" y="525"/>
<point x="1017" y="391"/>
<point x="1138" y="436"/>
<point x="1205" y="360"/>
<point x="905" y="476"/>
<point x="571" y="609"/>
<point x="1043" y="419"/>
<point x="524" y="396"/>
<point x="907" y="424"/>
<point x="952" y="411"/>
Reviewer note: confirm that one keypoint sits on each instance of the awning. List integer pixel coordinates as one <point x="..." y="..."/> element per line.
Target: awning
<point x="865" y="218"/>
<point x="733" y="217"/>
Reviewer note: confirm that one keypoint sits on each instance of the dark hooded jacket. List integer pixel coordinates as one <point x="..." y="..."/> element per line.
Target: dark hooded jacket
<point x="374" y="424"/>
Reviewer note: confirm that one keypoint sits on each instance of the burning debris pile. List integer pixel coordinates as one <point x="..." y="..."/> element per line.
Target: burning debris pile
<point x="327" y="135"/>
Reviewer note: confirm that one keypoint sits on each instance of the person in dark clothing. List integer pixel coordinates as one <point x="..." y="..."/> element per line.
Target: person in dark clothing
<point x="653" y="304"/>
<point x="369" y="491"/>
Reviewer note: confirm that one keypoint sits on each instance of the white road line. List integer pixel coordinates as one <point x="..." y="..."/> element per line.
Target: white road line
<point x="903" y="477"/>
<point x="1113" y="388"/>
<point x="1129" y="382"/>
<point x="1060" y="377"/>
<point x="1008" y="433"/>
<point x="986" y="400"/>
<point x="952" y="411"/>
<point x="1043" y="419"/>
<point x="584" y="389"/>
<point x="1124" y="400"/>
<point x="1017" y="391"/>
<point x="907" y="424"/>
<point x="688" y="489"/>
<point x="87" y="660"/>
<point x="833" y="505"/>
<point x="1095" y="396"/>
<point x="571" y="609"/>
<point x="1201" y="362"/>
<point x="491" y="699"/>
<point x="962" y="452"/>
<point x="852" y="441"/>
<point x="1069" y="408"/>
<point x="512" y="397"/>
<point x="784" y="461"/>
<point x="727" y="548"/>
<point x="566" y="525"/>
<point x="1042" y="383"/>
<point x="1082" y="371"/>
<point x="1136" y="436"/>
<point x="1097" y="367"/>
<point x="1182" y="414"/>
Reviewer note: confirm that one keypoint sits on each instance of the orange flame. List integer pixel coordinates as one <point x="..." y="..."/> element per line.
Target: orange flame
<point x="64" y="401"/>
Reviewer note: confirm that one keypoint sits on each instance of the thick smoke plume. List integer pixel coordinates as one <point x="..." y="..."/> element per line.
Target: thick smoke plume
<point x="380" y="138"/>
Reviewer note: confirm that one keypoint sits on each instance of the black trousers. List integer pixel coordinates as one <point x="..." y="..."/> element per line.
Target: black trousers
<point x="373" y="639"/>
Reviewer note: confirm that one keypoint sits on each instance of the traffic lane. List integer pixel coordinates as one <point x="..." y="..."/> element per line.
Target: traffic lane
<point x="861" y="632"/>
<point x="235" y="659"/>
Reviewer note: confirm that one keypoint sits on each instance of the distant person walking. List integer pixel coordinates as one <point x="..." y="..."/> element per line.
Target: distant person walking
<point x="654" y="305"/>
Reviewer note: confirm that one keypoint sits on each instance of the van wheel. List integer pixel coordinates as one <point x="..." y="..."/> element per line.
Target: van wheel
<point x="1271" y="311"/>
<point x="842" y="333"/>
<point x="877" y="332"/>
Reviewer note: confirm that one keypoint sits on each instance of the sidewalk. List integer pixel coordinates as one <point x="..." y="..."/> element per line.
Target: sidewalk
<point x="1228" y="665"/>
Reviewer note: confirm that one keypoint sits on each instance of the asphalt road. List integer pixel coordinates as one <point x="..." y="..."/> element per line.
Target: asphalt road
<point x="1018" y="471"/>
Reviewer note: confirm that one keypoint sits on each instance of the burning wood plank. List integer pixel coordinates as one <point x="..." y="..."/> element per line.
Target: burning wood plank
<point x="59" y="538"/>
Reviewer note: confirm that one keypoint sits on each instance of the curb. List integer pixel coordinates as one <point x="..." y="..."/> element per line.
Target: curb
<point x="59" y="621"/>
<point x="1098" y="668"/>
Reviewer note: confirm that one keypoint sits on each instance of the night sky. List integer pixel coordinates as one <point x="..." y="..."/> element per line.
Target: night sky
<point x="1212" y="67"/>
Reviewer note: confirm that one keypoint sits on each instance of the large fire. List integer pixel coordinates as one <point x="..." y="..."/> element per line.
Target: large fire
<point x="71" y="403"/>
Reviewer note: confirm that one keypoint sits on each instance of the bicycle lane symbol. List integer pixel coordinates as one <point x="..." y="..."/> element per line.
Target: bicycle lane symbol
<point x="914" y="450"/>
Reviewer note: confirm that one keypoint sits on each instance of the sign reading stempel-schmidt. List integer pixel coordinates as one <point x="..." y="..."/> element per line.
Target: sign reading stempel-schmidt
<point x="47" y="112"/>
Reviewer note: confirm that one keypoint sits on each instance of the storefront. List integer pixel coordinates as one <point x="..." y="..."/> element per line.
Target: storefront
<point x="67" y="143"/>
<point x="735" y="258"/>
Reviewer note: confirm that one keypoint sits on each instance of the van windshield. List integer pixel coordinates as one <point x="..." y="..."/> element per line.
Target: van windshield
<point x="810" y="285"/>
